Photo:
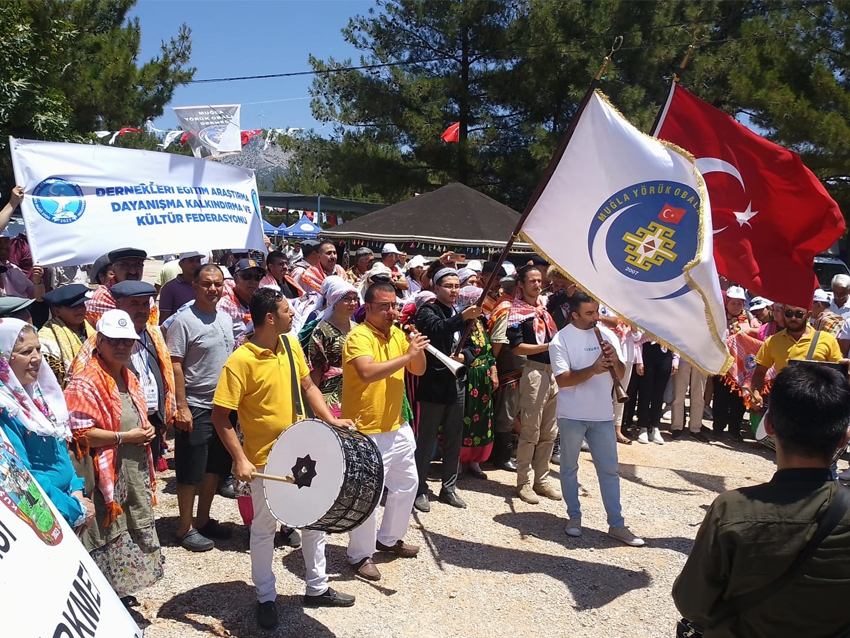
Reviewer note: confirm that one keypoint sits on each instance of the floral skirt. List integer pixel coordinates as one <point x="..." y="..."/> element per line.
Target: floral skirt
<point x="131" y="561"/>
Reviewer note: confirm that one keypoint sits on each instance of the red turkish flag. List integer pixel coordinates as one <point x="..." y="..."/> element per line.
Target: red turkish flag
<point x="247" y="135"/>
<point x="451" y="134"/>
<point x="770" y="214"/>
<point x="128" y="129"/>
<point x="671" y="214"/>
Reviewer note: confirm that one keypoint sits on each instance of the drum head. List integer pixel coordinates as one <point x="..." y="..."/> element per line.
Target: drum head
<point x="760" y="431"/>
<point x="300" y="507"/>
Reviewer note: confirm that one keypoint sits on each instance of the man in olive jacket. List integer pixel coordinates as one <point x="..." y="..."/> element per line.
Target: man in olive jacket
<point x="751" y="536"/>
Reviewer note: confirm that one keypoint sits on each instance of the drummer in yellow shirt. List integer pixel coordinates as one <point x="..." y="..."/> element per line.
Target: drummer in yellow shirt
<point x="257" y="382"/>
<point x="374" y="358"/>
<point x="792" y="343"/>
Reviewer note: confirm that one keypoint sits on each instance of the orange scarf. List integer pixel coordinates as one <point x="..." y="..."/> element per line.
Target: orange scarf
<point x="94" y="402"/>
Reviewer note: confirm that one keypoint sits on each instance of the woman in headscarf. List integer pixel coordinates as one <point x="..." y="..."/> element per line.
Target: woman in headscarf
<point x="34" y="418"/>
<point x="482" y="381"/>
<point x="326" y="342"/>
<point x="108" y="416"/>
<point x="377" y="273"/>
<point x="64" y="334"/>
<point x="468" y="277"/>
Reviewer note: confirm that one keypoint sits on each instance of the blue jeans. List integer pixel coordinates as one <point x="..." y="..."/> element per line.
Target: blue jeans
<point x="602" y="440"/>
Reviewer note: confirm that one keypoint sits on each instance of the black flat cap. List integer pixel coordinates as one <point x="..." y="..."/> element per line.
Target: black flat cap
<point x="11" y="305"/>
<point x="98" y="268"/>
<point x="308" y="247"/>
<point x="127" y="253"/>
<point x="490" y="266"/>
<point x="537" y="260"/>
<point x="69" y="296"/>
<point x="132" y="289"/>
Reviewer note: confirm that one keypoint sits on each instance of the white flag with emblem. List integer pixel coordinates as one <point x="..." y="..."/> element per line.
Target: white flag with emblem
<point x="628" y="219"/>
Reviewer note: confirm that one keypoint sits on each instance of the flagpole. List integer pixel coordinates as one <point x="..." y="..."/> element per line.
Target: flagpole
<point x="541" y="186"/>
<point x="677" y="76"/>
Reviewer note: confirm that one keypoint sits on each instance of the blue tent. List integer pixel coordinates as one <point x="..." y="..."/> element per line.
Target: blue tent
<point x="272" y="231"/>
<point x="302" y="229"/>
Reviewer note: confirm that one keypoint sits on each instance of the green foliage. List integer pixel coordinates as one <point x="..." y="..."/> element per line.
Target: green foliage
<point x="513" y="71"/>
<point x="69" y="67"/>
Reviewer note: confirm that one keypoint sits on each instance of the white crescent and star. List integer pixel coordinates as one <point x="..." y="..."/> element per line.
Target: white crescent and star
<point x="713" y="165"/>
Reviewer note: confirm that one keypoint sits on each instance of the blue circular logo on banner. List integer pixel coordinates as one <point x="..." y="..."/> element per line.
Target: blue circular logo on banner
<point x="59" y="201"/>
<point x="647" y="231"/>
<point x="256" y="201"/>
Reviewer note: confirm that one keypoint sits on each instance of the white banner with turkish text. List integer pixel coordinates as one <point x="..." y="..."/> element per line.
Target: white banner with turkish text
<point x="83" y="200"/>
<point x="50" y="585"/>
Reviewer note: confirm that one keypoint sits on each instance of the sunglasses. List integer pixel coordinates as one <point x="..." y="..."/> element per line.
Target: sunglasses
<point x="797" y="314"/>
<point x="383" y="307"/>
<point x="250" y="277"/>
<point x="115" y="343"/>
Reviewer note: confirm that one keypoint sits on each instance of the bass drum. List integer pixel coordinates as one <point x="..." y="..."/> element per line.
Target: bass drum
<point x="339" y="477"/>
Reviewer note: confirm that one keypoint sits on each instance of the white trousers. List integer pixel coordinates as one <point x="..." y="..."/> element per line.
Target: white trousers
<point x="398" y="450"/>
<point x="263" y="529"/>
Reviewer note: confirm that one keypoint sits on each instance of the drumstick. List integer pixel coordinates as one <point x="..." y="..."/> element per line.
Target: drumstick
<point x="272" y="477"/>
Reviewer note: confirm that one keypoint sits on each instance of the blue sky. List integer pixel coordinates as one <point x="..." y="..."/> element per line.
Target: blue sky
<point x="251" y="37"/>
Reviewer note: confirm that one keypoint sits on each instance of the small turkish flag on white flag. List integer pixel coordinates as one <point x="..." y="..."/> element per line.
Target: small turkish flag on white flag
<point x="671" y="214"/>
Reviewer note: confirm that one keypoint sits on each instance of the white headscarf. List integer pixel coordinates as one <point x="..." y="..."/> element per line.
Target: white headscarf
<point x="377" y="269"/>
<point x="464" y="275"/>
<point x="334" y="288"/>
<point x="41" y="407"/>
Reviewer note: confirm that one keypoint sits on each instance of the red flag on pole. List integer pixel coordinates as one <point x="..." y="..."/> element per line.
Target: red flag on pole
<point x="451" y="134"/>
<point x="771" y="215"/>
<point x="247" y="135"/>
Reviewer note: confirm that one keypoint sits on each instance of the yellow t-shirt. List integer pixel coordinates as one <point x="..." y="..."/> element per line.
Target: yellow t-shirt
<point x="257" y="383"/>
<point x="378" y="405"/>
<point x="781" y="347"/>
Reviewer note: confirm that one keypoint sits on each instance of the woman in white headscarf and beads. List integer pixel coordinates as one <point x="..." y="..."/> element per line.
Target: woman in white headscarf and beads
<point x="34" y="418"/>
<point x="324" y="351"/>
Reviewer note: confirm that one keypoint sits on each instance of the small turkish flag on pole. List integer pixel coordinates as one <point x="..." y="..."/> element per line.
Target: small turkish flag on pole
<point x="451" y="134"/>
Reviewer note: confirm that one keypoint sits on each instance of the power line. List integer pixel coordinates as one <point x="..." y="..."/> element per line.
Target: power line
<point x="383" y="65"/>
<point x="366" y="67"/>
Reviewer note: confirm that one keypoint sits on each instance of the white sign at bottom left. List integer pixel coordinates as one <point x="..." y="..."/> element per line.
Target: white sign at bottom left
<point x="49" y="585"/>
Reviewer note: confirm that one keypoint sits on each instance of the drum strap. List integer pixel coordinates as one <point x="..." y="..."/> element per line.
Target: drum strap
<point x="814" y="345"/>
<point x="302" y="408"/>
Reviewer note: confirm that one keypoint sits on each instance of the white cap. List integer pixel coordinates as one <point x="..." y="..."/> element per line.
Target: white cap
<point x="189" y="255"/>
<point x="822" y="296"/>
<point x="116" y="324"/>
<point x="736" y="292"/>
<point x="757" y="303"/>
<point x="415" y="262"/>
<point x="510" y="269"/>
<point x="390" y="249"/>
<point x="476" y="265"/>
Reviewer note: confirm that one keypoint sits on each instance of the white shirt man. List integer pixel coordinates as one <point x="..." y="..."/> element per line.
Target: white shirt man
<point x="582" y="368"/>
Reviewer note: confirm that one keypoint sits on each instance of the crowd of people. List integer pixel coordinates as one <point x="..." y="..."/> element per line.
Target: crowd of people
<point x="213" y="361"/>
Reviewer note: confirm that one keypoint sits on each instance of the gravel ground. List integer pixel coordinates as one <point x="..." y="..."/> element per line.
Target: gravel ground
<point x="500" y="567"/>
